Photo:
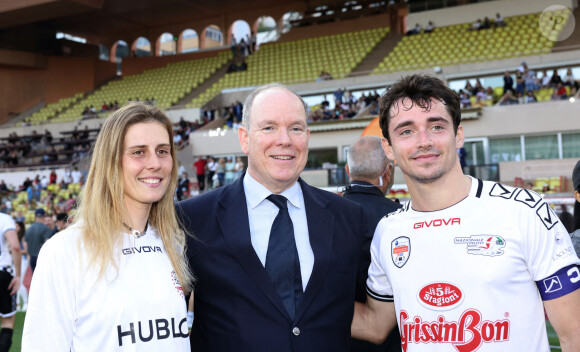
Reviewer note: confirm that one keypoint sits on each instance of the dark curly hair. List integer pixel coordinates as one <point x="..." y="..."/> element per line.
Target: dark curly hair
<point x="420" y="89"/>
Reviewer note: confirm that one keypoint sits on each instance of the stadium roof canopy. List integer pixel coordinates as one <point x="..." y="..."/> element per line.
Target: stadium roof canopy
<point x="105" y="21"/>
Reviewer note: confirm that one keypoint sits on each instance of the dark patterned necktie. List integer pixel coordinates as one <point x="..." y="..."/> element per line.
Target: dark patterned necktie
<point x="282" y="264"/>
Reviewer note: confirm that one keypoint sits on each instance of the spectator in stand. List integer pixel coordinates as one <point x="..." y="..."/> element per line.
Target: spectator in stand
<point x="569" y="80"/>
<point x="478" y="103"/>
<point x="508" y="99"/>
<point x="415" y="30"/>
<point x="478" y="85"/>
<point x="430" y="27"/>
<point x="77" y="175"/>
<point x="230" y="169"/>
<point x="104" y="107"/>
<point x="200" y="165"/>
<point x="44" y="182"/>
<point x="476" y="25"/>
<point x="464" y="100"/>
<point x="530" y="78"/>
<point x="485" y="24"/>
<point x="239" y="167"/>
<point x="53" y="177"/>
<point x="555" y="79"/>
<point x="182" y="189"/>
<point x="545" y="82"/>
<point x="489" y="95"/>
<point x="520" y="97"/>
<point x="244" y="47"/>
<point x="338" y="95"/>
<point x="520" y="82"/>
<point x="469" y="88"/>
<point x="229" y="115"/>
<point x="238" y="107"/>
<point x="508" y="82"/>
<point x="221" y="171"/>
<point x="559" y="92"/>
<point x="177" y="139"/>
<point x="499" y="21"/>
<point x="575" y="235"/>
<point x="374" y="109"/>
<point x="211" y="172"/>
<point x="530" y="97"/>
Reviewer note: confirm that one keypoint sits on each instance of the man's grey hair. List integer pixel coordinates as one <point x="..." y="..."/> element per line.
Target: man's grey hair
<point x="366" y="158"/>
<point x="250" y="100"/>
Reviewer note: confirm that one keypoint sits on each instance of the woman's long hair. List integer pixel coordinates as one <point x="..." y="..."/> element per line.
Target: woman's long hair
<point x="101" y="212"/>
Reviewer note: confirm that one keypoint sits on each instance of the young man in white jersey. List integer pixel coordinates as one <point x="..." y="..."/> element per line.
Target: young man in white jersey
<point x="466" y="265"/>
<point x="10" y="258"/>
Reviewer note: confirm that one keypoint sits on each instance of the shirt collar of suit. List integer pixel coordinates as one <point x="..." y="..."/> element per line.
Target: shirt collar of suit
<point x="256" y="192"/>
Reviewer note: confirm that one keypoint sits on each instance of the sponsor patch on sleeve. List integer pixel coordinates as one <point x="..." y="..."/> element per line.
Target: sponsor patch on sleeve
<point x="564" y="281"/>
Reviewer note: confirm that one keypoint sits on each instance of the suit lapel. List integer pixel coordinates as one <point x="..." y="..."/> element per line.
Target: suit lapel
<point x="234" y="224"/>
<point x="320" y="232"/>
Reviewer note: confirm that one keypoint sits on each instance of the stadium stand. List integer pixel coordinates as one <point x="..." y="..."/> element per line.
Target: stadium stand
<point x="166" y="84"/>
<point x="300" y="61"/>
<point x="49" y="112"/>
<point x="456" y="44"/>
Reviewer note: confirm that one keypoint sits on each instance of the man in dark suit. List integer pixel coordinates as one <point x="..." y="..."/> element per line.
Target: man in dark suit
<point x="371" y="177"/>
<point x="273" y="274"/>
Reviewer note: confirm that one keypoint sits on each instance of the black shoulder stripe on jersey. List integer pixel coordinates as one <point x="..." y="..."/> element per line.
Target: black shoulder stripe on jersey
<point x="378" y="297"/>
<point x="479" y="188"/>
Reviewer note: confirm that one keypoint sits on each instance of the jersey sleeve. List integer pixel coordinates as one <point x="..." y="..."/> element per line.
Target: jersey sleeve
<point x="550" y="254"/>
<point x="378" y="285"/>
<point x="7" y="224"/>
<point x="50" y="318"/>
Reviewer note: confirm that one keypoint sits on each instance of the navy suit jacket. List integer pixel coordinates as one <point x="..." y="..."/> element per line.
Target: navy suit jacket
<point x="237" y="307"/>
<point x="376" y="207"/>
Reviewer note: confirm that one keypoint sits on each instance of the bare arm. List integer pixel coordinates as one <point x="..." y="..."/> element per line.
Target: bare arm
<point x="564" y="314"/>
<point x="373" y="320"/>
<point x="12" y="239"/>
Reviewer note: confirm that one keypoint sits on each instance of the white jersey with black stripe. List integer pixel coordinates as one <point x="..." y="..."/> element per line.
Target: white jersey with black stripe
<point x="466" y="277"/>
<point x="6" y="224"/>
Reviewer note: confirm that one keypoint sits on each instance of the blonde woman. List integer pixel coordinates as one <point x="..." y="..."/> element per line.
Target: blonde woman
<point x="115" y="279"/>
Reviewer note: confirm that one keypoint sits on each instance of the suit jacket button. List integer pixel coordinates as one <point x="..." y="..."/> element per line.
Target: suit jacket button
<point x="296" y="331"/>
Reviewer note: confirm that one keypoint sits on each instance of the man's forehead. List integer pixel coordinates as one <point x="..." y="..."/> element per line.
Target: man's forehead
<point x="406" y="104"/>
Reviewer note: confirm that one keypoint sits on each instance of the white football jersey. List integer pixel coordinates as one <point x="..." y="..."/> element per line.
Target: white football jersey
<point x="6" y="224"/>
<point x="142" y="308"/>
<point x="466" y="278"/>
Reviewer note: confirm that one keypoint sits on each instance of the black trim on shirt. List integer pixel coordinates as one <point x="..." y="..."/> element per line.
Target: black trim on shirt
<point x="376" y="296"/>
<point x="479" y="188"/>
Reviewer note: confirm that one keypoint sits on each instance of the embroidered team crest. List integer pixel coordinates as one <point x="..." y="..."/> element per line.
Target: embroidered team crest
<point x="400" y="251"/>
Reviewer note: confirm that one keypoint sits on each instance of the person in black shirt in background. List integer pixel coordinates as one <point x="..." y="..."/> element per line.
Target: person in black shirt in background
<point x="371" y="177"/>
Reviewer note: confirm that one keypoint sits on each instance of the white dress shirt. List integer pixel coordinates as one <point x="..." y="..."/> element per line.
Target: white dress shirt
<point x="261" y="215"/>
